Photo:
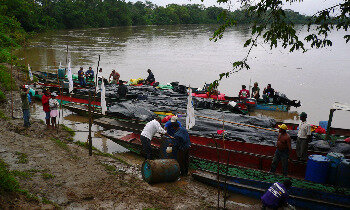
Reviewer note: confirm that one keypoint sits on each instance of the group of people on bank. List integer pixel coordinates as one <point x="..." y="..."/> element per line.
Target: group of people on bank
<point x="268" y="93"/>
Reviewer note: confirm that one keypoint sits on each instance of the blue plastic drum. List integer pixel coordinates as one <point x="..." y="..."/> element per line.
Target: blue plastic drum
<point x="317" y="169"/>
<point x="343" y="175"/>
<point x="335" y="159"/>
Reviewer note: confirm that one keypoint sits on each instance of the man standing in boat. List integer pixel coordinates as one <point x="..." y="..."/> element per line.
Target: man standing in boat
<point x="147" y="134"/>
<point x="304" y="136"/>
<point x="282" y="151"/>
<point x="81" y="77"/>
<point x="276" y="196"/>
<point x="122" y="90"/>
<point x="181" y="145"/>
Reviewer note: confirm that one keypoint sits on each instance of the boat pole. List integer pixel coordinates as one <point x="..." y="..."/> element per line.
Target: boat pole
<point x="90" y="124"/>
<point x="331" y="112"/>
<point x="11" y="85"/>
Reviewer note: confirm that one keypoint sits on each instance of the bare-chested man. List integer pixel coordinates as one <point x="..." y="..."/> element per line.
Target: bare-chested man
<point x="282" y="151"/>
<point x="115" y="77"/>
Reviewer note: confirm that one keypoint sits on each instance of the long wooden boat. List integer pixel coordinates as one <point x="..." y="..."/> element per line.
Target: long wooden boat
<point x="316" y="197"/>
<point x="250" y="155"/>
<point x="336" y="197"/>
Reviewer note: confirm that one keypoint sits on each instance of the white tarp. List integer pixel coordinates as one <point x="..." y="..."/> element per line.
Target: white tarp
<point x="30" y="73"/>
<point x="340" y="106"/>
<point x="60" y="66"/>
<point x="103" y="98"/>
<point x="70" y="79"/>
<point x="190" y="120"/>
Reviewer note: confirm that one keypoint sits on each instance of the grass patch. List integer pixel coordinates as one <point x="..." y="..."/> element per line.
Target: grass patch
<point x="85" y="144"/>
<point x="69" y="130"/>
<point x="2" y="97"/>
<point x="5" y="79"/>
<point x="22" y="174"/>
<point x="8" y="182"/>
<point x="60" y="143"/>
<point x="22" y="158"/>
<point x="3" y="116"/>
<point x="47" y="176"/>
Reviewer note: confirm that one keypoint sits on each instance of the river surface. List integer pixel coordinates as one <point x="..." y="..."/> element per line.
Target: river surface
<point x="184" y="53"/>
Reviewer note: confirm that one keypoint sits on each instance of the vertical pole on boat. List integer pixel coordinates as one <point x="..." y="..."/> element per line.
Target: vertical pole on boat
<point x="25" y="58"/>
<point x="218" y="173"/>
<point x="90" y="124"/>
<point x="226" y="175"/>
<point x="329" y="125"/>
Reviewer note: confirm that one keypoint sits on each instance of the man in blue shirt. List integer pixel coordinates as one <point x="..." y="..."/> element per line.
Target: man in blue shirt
<point x="182" y="144"/>
<point x="277" y="195"/>
<point x="169" y="127"/>
<point x="81" y="77"/>
<point x="90" y="74"/>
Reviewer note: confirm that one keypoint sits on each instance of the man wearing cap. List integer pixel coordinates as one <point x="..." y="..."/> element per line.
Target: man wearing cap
<point x="46" y="106"/>
<point x="304" y="136"/>
<point x="282" y="151"/>
<point x="147" y="134"/>
<point x="81" y="77"/>
<point x="169" y="125"/>
<point x="25" y="105"/>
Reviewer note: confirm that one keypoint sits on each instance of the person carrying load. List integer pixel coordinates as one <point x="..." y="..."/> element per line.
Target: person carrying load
<point x="147" y="134"/>
<point x="181" y="144"/>
<point x="169" y="125"/>
<point x="115" y="77"/>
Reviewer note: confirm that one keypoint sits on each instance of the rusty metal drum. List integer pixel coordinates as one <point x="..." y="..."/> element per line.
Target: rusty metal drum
<point x="162" y="170"/>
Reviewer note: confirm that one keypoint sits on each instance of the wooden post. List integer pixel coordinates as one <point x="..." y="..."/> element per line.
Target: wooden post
<point x="90" y="124"/>
<point x="329" y="125"/>
<point x="11" y="85"/>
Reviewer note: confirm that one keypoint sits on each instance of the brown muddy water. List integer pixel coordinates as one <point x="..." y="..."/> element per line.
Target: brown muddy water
<point x="184" y="53"/>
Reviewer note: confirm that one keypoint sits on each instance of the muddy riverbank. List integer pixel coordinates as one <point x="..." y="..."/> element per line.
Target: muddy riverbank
<point x="58" y="172"/>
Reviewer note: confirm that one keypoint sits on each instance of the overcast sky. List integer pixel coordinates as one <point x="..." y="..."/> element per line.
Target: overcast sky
<point x="308" y="7"/>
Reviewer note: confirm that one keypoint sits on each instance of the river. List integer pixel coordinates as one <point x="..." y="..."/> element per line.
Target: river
<point x="184" y="53"/>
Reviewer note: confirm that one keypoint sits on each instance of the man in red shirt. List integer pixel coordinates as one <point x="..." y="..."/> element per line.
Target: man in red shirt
<point x="46" y="106"/>
<point x="244" y="93"/>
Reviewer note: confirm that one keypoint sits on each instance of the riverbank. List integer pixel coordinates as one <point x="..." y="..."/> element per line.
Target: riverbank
<point x="54" y="172"/>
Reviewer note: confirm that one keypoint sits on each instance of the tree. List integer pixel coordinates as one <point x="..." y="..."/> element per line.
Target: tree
<point x="276" y="26"/>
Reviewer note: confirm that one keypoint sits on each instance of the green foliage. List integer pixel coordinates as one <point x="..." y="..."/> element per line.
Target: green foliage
<point x="22" y="158"/>
<point x="69" y="130"/>
<point x="2" y="115"/>
<point x="5" y="79"/>
<point x="8" y="183"/>
<point x="2" y="97"/>
<point x="22" y="174"/>
<point x="60" y="143"/>
<point x="47" y="176"/>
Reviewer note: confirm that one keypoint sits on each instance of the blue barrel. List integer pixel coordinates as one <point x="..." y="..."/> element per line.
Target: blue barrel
<point x="335" y="159"/>
<point x="162" y="170"/>
<point x="317" y="168"/>
<point x="343" y="174"/>
<point x="61" y="73"/>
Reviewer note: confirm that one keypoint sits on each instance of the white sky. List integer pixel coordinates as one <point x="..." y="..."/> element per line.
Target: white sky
<point x="307" y="7"/>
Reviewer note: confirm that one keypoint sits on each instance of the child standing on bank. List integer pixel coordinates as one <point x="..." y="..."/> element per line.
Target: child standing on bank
<point x="54" y="109"/>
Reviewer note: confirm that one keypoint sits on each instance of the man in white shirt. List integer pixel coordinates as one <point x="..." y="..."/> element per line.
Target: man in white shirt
<point x="304" y="136"/>
<point x="147" y="134"/>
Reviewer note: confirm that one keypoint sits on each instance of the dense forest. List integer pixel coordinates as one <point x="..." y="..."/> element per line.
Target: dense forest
<point x="19" y="17"/>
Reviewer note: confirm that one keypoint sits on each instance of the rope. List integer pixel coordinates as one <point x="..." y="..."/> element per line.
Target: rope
<point x="252" y="126"/>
